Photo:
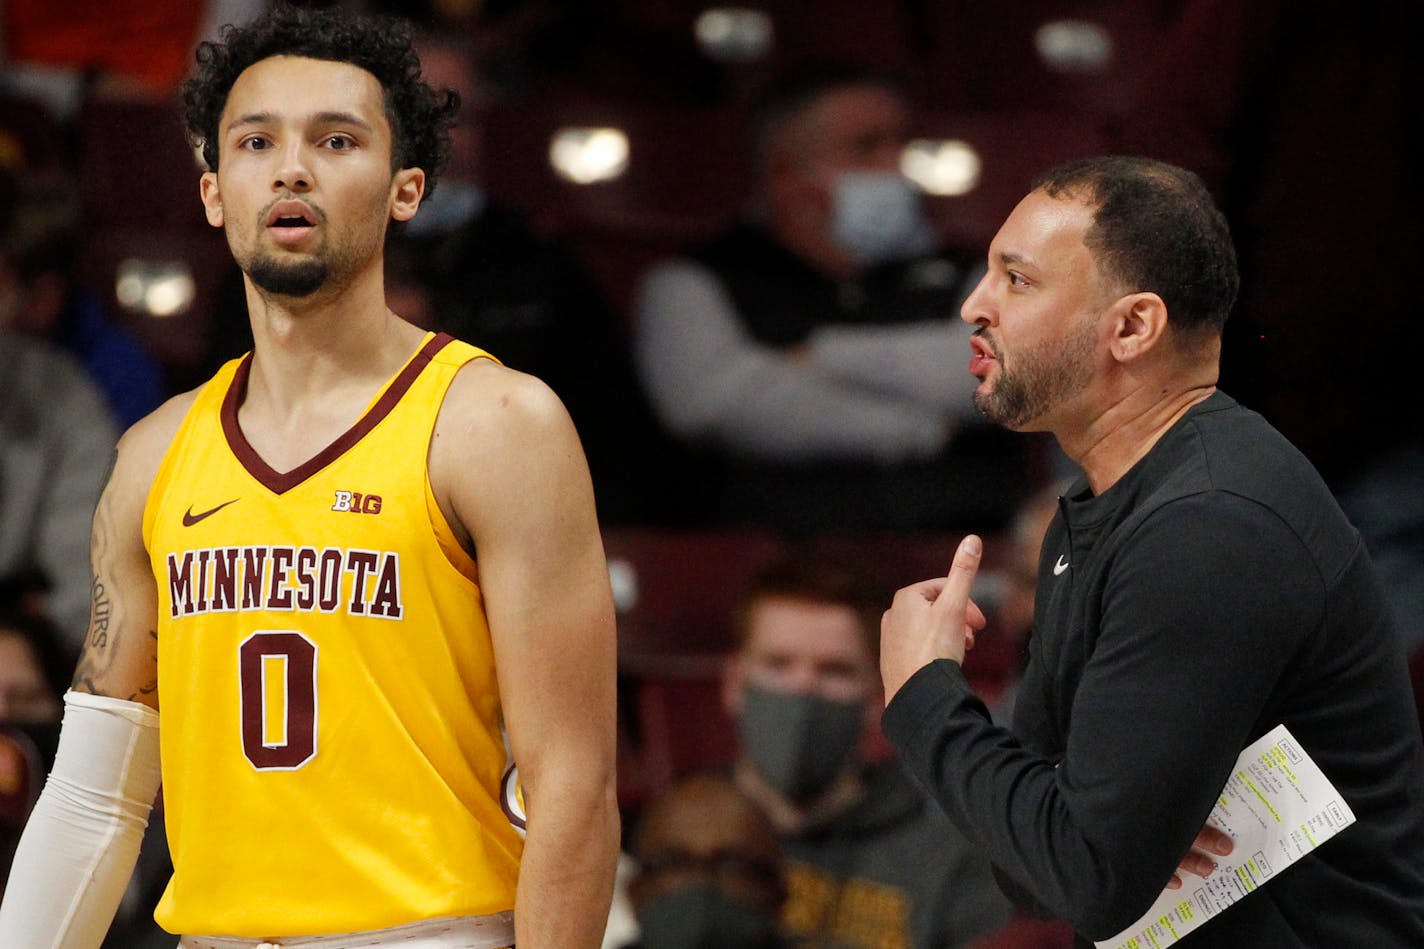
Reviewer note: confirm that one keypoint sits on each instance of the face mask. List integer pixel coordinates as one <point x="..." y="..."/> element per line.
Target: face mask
<point x="877" y="217"/>
<point x="798" y="742"/>
<point x="702" y="916"/>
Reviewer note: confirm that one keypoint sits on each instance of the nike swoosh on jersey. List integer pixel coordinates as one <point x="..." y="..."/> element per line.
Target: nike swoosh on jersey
<point x="189" y="518"/>
<point x="1060" y="566"/>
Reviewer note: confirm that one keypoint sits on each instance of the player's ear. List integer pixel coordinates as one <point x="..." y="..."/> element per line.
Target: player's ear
<point x="212" y="198"/>
<point x="407" y="188"/>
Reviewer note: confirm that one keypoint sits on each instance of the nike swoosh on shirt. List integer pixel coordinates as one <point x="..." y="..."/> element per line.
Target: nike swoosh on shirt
<point x="1060" y="566"/>
<point x="189" y="518"/>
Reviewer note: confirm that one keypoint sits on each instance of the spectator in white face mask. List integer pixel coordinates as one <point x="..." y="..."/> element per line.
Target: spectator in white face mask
<point x="807" y="349"/>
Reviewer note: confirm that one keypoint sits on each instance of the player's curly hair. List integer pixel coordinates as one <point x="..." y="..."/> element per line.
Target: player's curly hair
<point x="420" y="118"/>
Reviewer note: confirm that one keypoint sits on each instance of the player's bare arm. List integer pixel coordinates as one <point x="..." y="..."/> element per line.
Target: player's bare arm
<point x="120" y="655"/>
<point x="83" y="835"/>
<point x="508" y="464"/>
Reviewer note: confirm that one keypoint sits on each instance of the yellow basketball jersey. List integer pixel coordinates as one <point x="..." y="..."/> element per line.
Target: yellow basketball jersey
<point x="333" y="753"/>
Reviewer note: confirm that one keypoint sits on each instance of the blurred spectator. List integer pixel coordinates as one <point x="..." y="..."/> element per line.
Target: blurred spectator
<point x="528" y="300"/>
<point x="57" y="441"/>
<point x="709" y="870"/>
<point x="815" y="350"/>
<point x="41" y="297"/>
<point x="34" y="671"/>
<point x="870" y="860"/>
<point x="532" y="46"/>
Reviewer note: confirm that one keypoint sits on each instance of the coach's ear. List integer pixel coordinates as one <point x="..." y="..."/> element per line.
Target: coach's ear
<point x="212" y="198"/>
<point x="1138" y="322"/>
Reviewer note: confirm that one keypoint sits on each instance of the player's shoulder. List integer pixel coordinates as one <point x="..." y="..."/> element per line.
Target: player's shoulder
<point x="493" y="400"/>
<point x="143" y="446"/>
<point x="157" y="428"/>
<point x="500" y="432"/>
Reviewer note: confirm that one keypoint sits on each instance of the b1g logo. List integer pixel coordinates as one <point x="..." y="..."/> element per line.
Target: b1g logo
<point x="356" y="503"/>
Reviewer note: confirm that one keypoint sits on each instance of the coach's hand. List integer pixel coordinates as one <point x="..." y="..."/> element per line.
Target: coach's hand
<point x="933" y="619"/>
<point x="1200" y="860"/>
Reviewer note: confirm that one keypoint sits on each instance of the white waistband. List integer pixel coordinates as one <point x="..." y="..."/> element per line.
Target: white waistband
<point x="451" y="932"/>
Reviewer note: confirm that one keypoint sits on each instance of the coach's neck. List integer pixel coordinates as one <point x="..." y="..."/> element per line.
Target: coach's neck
<point x="1142" y="391"/>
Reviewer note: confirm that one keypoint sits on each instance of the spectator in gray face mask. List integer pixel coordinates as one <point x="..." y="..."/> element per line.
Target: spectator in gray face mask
<point x="870" y="862"/>
<point x="802" y="351"/>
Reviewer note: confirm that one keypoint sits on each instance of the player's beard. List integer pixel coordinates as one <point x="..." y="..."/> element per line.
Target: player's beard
<point x="296" y="279"/>
<point x="1042" y="377"/>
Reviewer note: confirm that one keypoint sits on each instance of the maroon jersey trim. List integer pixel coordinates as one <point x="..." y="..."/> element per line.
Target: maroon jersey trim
<point x="279" y="482"/>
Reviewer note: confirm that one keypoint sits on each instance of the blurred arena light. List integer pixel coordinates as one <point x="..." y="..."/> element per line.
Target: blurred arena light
<point x="734" y="34"/>
<point x="1074" y="46"/>
<point x="160" y="288"/>
<point x="943" y="167"/>
<point x="586" y="155"/>
<point x="623" y="580"/>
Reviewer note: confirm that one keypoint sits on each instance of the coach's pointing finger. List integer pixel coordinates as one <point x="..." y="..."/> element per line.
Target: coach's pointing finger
<point x="930" y="620"/>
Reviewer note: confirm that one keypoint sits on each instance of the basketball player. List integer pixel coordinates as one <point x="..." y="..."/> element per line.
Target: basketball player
<point x="356" y="576"/>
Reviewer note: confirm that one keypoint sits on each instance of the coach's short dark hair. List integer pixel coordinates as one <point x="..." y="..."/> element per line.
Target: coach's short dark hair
<point x="419" y="117"/>
<point x="1156" y="228"/>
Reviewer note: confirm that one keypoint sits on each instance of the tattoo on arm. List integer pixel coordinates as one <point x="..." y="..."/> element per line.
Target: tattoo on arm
<point x="95" y="662"/>
<point x="99" y="615"/>
<point x="97" y="655"/>
<point x="99" y="646"/>
<point x="151" y="686"/>
<point x="102" y="668"/>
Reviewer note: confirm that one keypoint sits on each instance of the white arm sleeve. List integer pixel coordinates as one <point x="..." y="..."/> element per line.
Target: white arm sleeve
<point x="79" y="846"/>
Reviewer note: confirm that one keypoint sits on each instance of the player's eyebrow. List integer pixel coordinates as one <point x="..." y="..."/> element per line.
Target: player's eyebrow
<point x="251" y="118"/>
<point x="342" y="118"/>
<point x="335" y="117"/>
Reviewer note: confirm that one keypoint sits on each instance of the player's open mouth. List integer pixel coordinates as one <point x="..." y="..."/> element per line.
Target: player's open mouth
<point x="290" y="222"/>
<point x="291" y="213"/>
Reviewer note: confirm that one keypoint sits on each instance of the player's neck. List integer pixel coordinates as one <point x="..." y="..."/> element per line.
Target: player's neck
<point x="318" y="347"/>
<point x="304" y="390"/>
<point x="306" y="343"/>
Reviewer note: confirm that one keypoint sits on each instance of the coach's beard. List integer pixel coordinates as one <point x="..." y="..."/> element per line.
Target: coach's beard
<point x="300" y="279"/>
